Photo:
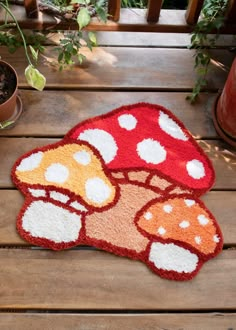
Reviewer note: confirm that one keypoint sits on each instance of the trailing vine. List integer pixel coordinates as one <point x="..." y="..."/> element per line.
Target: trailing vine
<point x="212" y="19"/>
<point x="32" y="75"/>
<point x="69" y="47"/>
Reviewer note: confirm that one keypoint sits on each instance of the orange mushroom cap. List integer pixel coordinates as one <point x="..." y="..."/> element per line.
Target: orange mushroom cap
<point x="184" y="219"/>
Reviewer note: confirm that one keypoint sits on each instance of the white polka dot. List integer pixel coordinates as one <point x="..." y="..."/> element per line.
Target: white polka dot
<point x="57" y="173"/>
<point x="198" y="239"/>
<point x="97" y="190"/>
<point x="127" y="122"/>
<point x="82" y="157"/>
<point x="167" y="208"/>
<point x="31" y="162"/>
<point x="148" y="216"/>
<point x="189" y="202"/>
<point x="152" y="152"/>
<point x="172" y="257"/>
<point x="202" y="219"/>
<point x="170" y="127"/>
<point x="216" y="238"/>
<point x="195" y="169"/>
<point x="102" y="141"/>
<point x="161" y="231"/>
<point x="184" y="224"/>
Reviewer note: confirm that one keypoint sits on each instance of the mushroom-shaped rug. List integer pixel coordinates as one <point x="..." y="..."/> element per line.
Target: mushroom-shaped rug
<point x="127" y="182"/>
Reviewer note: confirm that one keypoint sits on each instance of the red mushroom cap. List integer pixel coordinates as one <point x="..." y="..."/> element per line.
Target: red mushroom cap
<point x="146" y="136"/>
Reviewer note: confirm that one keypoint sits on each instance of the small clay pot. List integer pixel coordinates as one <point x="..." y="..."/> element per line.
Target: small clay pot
<point x="7" y="108"/>
<point x="224" y="112"/>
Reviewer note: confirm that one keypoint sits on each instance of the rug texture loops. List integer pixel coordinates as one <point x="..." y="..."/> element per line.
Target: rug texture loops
<point x="127" y="182"/>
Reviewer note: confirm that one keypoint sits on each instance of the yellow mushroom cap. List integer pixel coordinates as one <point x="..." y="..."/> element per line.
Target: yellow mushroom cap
<point x="71" y="166"/>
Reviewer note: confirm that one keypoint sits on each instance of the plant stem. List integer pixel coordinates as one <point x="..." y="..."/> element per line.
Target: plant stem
<point x="19" y="30"/>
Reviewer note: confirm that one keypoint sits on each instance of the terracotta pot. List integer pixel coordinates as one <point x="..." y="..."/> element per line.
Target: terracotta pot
<point x="7" y="108"/>
<point x="224" y="114"/>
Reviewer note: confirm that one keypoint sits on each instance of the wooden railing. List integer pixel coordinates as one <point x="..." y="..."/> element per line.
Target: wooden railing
<point x="152" y="19"/>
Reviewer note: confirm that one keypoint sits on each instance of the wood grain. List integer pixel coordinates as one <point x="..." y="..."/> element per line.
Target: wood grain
<point x="31" y="8"/>
<point x="114" y="9"/>
<point x="222" y="156"/>
<point x="145" y="39"/>
<point x="94" y="281"/>
<point x="57" y="112"/>
<point x="153" y="10"/>
<point x="221" y="204"/>
<point x="98" y="280"/>
<point x="110" y="68"/>
<point x="132" y="20"/>
<point x="170" y="321"/>
<point x="193" y="11"/>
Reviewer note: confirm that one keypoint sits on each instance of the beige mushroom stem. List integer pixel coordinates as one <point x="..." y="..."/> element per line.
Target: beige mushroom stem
<point x="116" y="225"/>
<point x="150" y="180"/>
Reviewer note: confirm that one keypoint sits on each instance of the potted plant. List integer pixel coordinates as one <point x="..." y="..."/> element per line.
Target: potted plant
<point x="224" y="111"/>
<point x="212" y="19"/>
<point x="10" y="102"/>
<point x="71" y="42"/>
<point x="33" y="76"/>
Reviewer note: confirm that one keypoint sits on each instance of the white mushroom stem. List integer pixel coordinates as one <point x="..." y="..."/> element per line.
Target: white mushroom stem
<point x="45" y="220"/>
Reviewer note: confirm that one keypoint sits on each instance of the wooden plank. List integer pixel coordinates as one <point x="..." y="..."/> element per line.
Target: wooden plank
<point x="220" y="203"/>
<point x="58" y="112"/>
<point x="153" y="11"/>
<point x="130" y="20"/>
<point x="193" y="11"/>
<point x="116" y="68"/>
<point x="33" y="279"/>
<point x="114" y="9"/>
<point x="133" y="20"/>
<point x="231" y="15"/>
<point x="31" y="8"/>
<point x="222" y="156"/>
<point x="144" y="39"/>
<point x="216" y="321"/>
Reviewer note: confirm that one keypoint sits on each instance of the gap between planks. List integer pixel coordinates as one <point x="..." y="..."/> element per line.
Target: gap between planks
<point x="102" y="281"/>
<point x="57" y="112"/>
<point x="111" y="68"/>
<point x="61" y="320"/>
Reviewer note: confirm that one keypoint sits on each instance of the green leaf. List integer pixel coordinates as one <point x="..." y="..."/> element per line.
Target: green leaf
<point x="100" y="3"/>
<point x="6" y="124"/>
<point x="101" y="14"/>
<point x="34" y="53"/>
<point x="69" y="48"/>
<point x="89" y="45"/>
<point x="92" y="38"/>
<point x="80" y="2"/>
<point x="83" y="18"/>
<point x="81" y="58"/>
<point x="60" y="57"/>
<point x="34" y="78"/>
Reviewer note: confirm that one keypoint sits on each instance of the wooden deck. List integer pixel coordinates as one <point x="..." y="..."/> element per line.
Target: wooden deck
<point x="88" y="289"/>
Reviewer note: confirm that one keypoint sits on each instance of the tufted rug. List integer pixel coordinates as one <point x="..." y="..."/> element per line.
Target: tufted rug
<point x="127" y="182"/>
